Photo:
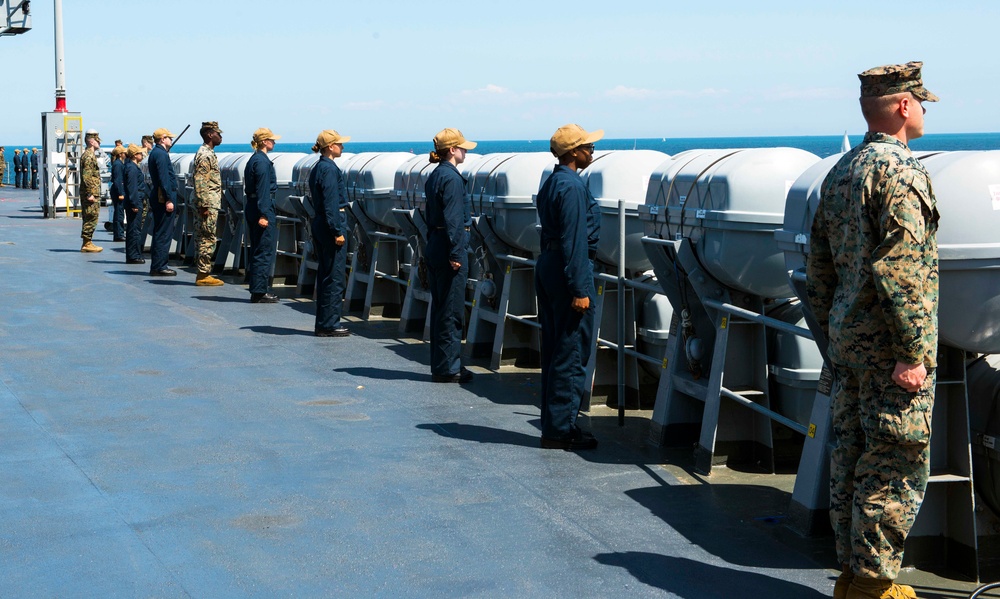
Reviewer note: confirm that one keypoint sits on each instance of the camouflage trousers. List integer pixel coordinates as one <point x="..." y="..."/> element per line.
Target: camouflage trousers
<point x="204" y="239"/>
<point x="879" y="469"/>
<point x="91" y="213"/>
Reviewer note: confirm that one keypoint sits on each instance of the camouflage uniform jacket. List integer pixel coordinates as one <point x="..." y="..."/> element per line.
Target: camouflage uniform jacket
<point x="207" y="179"/>
<point x="90" y="175"/>
<point x="872" y="272"/>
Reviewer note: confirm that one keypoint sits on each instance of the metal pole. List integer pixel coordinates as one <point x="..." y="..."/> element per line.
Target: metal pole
<point x="621" y="312"/>
<point x="60" y="59"/>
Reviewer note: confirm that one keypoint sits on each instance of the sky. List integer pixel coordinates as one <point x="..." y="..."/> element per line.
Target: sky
<point x="381" y="70"/>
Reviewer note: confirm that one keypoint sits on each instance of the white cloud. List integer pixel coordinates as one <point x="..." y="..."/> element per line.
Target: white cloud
<point x="548" y="95"/>
<point x="496" y="91"/>
<point x="489" y="89"/>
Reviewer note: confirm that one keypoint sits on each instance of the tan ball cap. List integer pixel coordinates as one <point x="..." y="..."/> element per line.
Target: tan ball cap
<point x="452" y="138"/>
<point x="572" y="136"/>
<point x="134" y="150"/>
<point x="264" y="133"/>
<point x="161" y="133"/>
<point x="330" y="136"/>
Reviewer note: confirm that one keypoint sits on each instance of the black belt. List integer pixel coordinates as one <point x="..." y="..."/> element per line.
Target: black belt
<point x="445" y="229"/>
<point x="554" y="246"/>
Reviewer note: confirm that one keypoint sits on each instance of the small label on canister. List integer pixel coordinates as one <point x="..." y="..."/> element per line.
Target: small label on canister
<point x="995" y="196"/>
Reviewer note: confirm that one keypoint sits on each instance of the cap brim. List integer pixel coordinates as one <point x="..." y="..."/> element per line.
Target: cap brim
<point x="274" y="137"/>
<point x="343" y="140"/>
<point x="593" y="136"/>
<point x="467" y="145"/>
<point x="922" y="93"/>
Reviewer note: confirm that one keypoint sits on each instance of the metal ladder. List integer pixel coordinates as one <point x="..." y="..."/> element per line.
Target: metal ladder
<point x="73" y="146"/>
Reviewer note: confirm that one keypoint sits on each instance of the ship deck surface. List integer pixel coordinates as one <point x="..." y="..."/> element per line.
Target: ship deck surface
<point x="159" y="439"/>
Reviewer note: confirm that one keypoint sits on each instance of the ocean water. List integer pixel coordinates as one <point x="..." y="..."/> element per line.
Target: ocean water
<point x="821" y="145"/>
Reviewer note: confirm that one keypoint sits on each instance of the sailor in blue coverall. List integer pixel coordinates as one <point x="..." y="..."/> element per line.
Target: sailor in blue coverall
<point x="260" y="184"/>
<point x="135" y="195"/>
<point x="564" y="282"/>
<point x="162" y="199"/>
<point x="34" y="168"/>
<point x="329" y="228"/>
<point x="447" y="255"/>
<point x="118" y="193"/>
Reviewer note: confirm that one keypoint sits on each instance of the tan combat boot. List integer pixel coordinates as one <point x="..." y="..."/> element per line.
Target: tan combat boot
<point x="878" y="588"/>
<point x="89" y="247"/>
<point x="207" y="280"/>
<point x="843" y="583"/>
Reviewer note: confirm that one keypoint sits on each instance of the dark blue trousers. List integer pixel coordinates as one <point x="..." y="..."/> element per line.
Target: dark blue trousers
<point x="261" y="258"/>
<point x="118" y="218"/>
<point x="163" y="230"/>
<point x="133" y="236"/>
<point x="34" y="179"/>
<point x="447" y="306"/>
<point x="330" y="283"/>
<point x="567" y="342"/>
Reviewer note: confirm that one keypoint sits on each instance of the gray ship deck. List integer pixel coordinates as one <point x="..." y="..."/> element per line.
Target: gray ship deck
<point x="159" y="439"/>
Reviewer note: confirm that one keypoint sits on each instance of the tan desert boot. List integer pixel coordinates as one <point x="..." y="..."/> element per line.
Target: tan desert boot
<point x="843" y="583"/>
<point x="876" y="588"/>
<point x="90" y="248"/>
<point x="204" y="280"/>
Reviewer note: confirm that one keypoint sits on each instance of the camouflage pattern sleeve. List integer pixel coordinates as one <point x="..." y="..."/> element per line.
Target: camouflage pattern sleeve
<point x="821" y="272"/>
<point x="90" y="176"/>
<point x="905" y="267"/>
<point x="821" y="275"/>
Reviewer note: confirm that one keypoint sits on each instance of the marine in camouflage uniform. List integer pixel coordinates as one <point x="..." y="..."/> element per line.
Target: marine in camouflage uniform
<point x="90" y="192"/>
<point x="872" y="282"/>
<point x="3" y="166"/>
<point x="207" y="201"/>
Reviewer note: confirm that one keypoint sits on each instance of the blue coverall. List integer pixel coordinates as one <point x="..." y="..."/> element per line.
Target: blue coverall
<point x="570" y="220"/>
<point x="329" y="195"/>
<point x="447" y="241"/>
<point x="163" y="190"/>
<point x="33" y="161"/>
<point x="118" y="189"/>
<point x="135" y="194"/>
<point x="260" y="184"/>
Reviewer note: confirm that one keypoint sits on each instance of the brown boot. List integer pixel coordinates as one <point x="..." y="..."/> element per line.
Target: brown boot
<point x="207" y="280"/>
<point x="89" y="247"/>
<point x="879" y="588"/>
<point x="843" y="583"/>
